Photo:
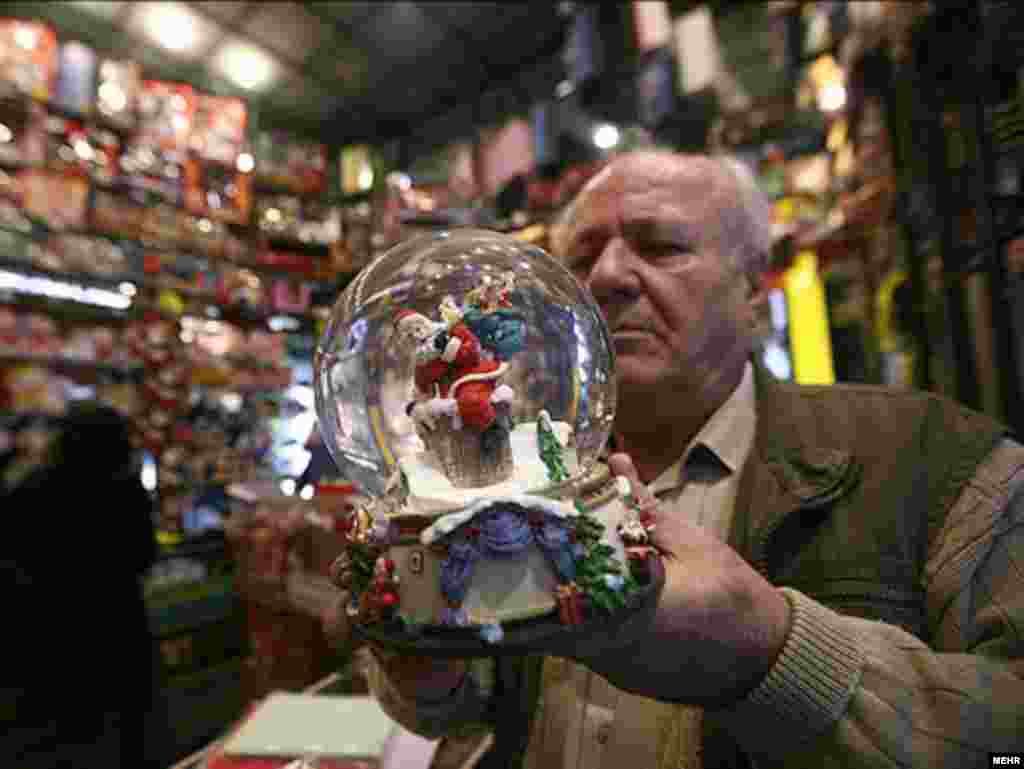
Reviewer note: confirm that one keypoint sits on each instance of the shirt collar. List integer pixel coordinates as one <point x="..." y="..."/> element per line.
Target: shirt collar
<point x="728" y="435"/>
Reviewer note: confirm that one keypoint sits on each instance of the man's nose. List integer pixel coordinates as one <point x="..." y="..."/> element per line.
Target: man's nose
<point x="611" y="275"/>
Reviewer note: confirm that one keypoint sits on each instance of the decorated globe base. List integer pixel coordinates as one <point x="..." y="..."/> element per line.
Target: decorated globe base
<point x="505" y="574"/>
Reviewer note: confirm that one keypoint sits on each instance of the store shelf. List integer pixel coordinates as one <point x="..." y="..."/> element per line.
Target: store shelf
<point x="69" y="366"/>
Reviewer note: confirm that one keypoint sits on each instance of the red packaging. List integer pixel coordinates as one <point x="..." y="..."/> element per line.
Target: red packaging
<point x="28" y="58"/>
<point x="217" y="191"/>
<point x="166" y="111"/>
<point x="218" y="129"/>
<point x="290" y="296"/>
<point x="60" y="201"/>
<point x="287" y="260"/>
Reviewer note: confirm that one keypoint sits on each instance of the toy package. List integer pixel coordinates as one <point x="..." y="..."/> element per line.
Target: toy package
<point x="22" y="131"/>
<point x="218" y="191"/>
<point x="166" y="111"/>
<point x="218" y="128"/>
<point x="59" y="201"/>
<point x="76" y="76"/>
<point x="116" y="215"/>
<point x="155" y="171"/>
<point x="283" y="161"/>
<point x="28" y="59"/>
<point x="117" y="93"/>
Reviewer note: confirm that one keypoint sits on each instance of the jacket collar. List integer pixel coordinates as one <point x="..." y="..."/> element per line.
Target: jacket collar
<point x="790" y="472"/>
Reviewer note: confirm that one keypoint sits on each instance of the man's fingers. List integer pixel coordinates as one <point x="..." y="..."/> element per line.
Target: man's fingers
<point x="622" y="464"/>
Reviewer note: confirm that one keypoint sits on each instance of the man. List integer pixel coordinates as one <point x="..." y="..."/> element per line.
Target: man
<point x="843" y="578"/>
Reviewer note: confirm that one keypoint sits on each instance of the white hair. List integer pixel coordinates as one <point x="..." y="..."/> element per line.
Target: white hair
<point x="747" y="227"/>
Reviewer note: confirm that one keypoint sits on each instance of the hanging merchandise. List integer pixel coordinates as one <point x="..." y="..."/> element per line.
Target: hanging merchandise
<point x="166" y="111"/>
<point x="21" y="129"/>
<point x="217" y="191"/>
<point x="356" y="169"/>
<point x="286" y="162"/>
<point x="76" y="78"/>
<point x="218" y="128"/>
<point x="117" y="93"/>
<point x="809" y="331"/>
<point x="28" y="59"/>
<point x="60" y="201"/>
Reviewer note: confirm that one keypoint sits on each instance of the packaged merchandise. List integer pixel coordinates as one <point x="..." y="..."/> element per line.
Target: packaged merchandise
<point x="218" y="129"/>
<point x="22" y="132"/>
<point x="76" y="78"/>
<point x="283" y="161"/>
<point x="153" y="171"/>
<point x="68" y="150"/>
<point x="292" y="261"/>
<point x="161" y="223"/>
<point x="289" y="295"/>
<point x="8" y="329"/>
<point x="28" y="59"/>
<point x="217" y="191"/>
<point x="166" y="111"/>
<point x="203" y="234"/>
<point x="117" y="93"/>
<point x="58" y="200"/>
<point x="116" y="215"/>
<point x="34" y="389"/>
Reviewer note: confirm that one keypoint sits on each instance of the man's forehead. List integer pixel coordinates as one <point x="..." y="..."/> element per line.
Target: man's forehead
<point x="644" y="178"/>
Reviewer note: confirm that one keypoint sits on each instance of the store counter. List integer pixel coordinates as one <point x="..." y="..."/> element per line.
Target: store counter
<point x="461" y="752"/>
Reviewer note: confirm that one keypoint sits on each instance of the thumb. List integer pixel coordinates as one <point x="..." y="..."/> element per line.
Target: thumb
<point x="621" y="464"/>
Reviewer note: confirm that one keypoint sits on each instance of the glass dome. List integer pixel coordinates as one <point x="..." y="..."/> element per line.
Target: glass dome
<point x="531" y="316"/>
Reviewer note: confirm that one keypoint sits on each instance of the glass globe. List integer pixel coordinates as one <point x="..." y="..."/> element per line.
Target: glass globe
<point x="530" y="315"/>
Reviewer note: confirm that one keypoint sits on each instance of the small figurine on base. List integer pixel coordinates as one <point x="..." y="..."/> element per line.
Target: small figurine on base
<point x="461" y="410"/>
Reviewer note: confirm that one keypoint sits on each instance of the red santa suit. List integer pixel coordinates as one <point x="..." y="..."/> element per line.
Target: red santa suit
<point x="472" y="397"/>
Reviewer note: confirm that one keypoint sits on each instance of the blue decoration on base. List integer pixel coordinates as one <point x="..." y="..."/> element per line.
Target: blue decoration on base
<point x="492" y="633"/>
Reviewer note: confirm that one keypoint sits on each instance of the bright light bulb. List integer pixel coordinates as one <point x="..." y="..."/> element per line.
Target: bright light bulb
<point x="248" y="67"/>
<point x="245" y="163"/>
<point x="171" y="26"/>
<point x="606" y="136"/>
<point x="832" y="97"/>
<point x="366" y="179"/>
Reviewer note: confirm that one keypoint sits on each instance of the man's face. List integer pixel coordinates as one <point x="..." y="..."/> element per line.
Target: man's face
<point x="647" y="240"/>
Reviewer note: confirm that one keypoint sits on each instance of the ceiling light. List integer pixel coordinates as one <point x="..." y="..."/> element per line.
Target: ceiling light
<point x="606" y="136"/>
<point x="169" y="25"/>
<point x="245" y="65"/>
<point x="245" y="163"/>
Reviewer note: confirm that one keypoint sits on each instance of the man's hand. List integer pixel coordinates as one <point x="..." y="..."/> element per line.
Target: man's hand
<point x="713" y="632"/>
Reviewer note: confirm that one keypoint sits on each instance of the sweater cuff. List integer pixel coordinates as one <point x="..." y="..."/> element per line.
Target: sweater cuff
<point x="809" y="687"/>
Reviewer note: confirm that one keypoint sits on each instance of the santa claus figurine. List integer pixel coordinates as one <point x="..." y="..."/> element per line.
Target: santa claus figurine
<point x="454" y="376"/>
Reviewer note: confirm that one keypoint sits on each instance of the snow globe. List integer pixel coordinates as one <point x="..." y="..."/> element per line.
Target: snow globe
<point x="465" y="382"/>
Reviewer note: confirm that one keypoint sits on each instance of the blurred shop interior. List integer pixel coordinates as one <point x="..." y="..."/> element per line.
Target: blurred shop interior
<point x="187" y="187"/>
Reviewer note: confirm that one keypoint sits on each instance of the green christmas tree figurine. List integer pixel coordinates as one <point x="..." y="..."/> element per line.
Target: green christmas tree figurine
<point x="550" y="449"/>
